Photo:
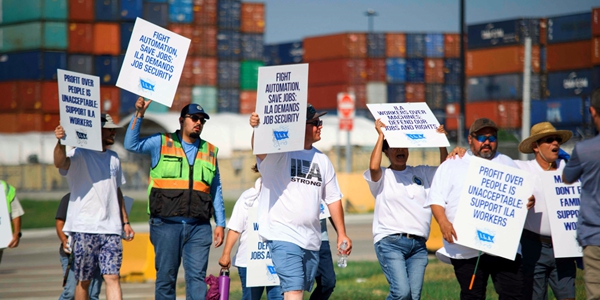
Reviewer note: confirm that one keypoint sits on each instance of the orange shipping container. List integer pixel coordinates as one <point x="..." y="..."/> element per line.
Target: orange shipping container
<point x="543" y="31"/>
<point x="27" y="122"/>
<point x="110" y="99"/>
<point x="247" y="102"/>
<point x="9" y="93"/>
<point x="596" y="51"/>
<point x="395" y="45"/>
<point x="337" y="71"/>
<point x="506" y="114"/>
<point x="342" y="45"/>
<point x="81" y="10"/>
<point x="184" y="30"/>
<point x="81" y="38"/>
<point x="596" y="21"/>
<point x="204" y="41"/>
<point x="376" y="69"/>
<point x="205" y="12"/>
<point x="107" y="38"/>
<point x="569" y="56"/>
<point x="29" y="94"/>
<point x="50" y="102"/>
<point x="452" y="45"/>
<point x="50" y="121"/>
<point x="415" y="92"/>
<point x="501" y="60"/>
<point x="9" y="123"/>
<point x="183" y="97"/>
<point x="452" y="110"/>
<point x="434" y="70"/>
<point x="325" y="97"/>
<point x="199" y="71"/>
<point x="252" y="18"/>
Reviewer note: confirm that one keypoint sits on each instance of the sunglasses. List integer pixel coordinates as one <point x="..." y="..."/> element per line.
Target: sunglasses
<point x="483" y="138"/>
<point x="316" y="123"/>
<point x="550" y="140"/>
<point x="195" y="119"/>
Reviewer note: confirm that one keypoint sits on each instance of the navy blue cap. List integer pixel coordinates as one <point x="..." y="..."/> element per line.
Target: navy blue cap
<point x="311" y="112"/>
<point x="193" y="109"/>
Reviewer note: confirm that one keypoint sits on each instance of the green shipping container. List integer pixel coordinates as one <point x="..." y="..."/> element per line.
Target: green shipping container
<point x="249" y="74"/>
<point x="156" y="107"/>
<point x="13" y="11"/>
<point x="206" y="96"/>
<point x="33" y="36"/>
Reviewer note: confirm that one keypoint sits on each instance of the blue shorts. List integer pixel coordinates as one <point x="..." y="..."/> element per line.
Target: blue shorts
<point x="295" y="266"/>
<point x="92" y="251"/>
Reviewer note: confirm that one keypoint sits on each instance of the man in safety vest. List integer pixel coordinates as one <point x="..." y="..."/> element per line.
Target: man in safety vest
<point x="184" y="192"/>
<point x="15" y="210"/>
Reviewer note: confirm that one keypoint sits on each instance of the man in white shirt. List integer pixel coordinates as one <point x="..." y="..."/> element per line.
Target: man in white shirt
<point x="444" y="197"/>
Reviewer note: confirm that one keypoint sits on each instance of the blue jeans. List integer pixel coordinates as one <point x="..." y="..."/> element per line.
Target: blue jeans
<point x="69" y="289"/>
<point x="255" y="293"/>
<point x="403" y="261"/>
<point x="173" y="241"/>
<point x="325" y="274"/>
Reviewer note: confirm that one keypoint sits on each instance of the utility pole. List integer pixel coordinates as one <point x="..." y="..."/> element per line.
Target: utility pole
<point x="461" y="113"/>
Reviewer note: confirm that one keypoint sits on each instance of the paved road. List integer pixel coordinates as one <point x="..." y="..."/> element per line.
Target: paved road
<point x="32" y="271"/>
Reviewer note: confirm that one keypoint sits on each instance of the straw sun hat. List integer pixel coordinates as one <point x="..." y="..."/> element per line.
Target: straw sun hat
<point x="540" y="131"/>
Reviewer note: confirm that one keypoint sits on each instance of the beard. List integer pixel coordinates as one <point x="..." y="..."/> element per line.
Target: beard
<point x="194" y="135"/>
<point x="487" y="155"/>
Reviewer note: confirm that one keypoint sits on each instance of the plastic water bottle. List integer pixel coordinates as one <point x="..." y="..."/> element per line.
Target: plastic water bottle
<point x="224" y="285"/>
<point x="343" y="259"/>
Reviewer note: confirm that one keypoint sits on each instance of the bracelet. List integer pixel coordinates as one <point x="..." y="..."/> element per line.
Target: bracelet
<point x="126" y="223"/>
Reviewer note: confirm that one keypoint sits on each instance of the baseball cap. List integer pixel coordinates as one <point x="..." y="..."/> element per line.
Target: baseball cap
<point x="107" y="121"/>
<point x="193" y="109"/>
<point x="482" y="123"/>
<point x="311" y="113"/>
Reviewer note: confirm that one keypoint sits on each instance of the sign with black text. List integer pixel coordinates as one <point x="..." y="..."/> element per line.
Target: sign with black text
<point x="260" y="269"/>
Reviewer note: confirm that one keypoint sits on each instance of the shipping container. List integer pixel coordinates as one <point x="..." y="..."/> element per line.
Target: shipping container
<point x="228" y="74"/>
<point x="290" y="53"/>
<point x="567" y="56"/>
<point x="81" y="38"/>
<point x="543" y="67"/>
<point x="376" y="69"/>
<point x="249" y="74"/>
<point x="8" y="90"/>
<point x="107" y="39"/>
<point x="31" y="65"/>
<point x="376" y="92"/>
<point x="596" y="21"/>
<point x="204" y="41"/>
<point x="17" y="11"/>
<point x="415" y="45"/>
<point x="434" y="96"/>
<point x="596" y="51"/>
<point x="29" y="95"/>
<point x="270" y="56"/>
<point x="107" y="10"/>
<point x="205" y="12"/>
<point x="570" y="83"/>
<point x="596" y="77"/>
<point x="415" y="92"/>
<point x="9" y="121"/>
<point x="181" y="11"/>
<point x="252" y="17"/>
<point x="396" y="93"/>
<point x="50" y="121"/>
<point x="206" y="96"/>
<point x="29" y="122"/>
<point x="434" y="45"/>
<point x="204" y="71"/>
<point x="506" y="114"/>
<point x="247" y="102"/>
<point x="185" y="30"/>
<point x="561" y="111"/>
<point x="501" y="87"/>
<point x="434" y="70"/>
<point x="125" y="35"/>
<point x="107" y="67"/>
<point x="415" y="70"/>
<point x="376" y="45"/>
<point x="452" y="69"/>
<point x="157" y="108"/>
<point x="500" y="60"/>
<point x="49" y="99"/>
<point x="342" y="45"/>
<point x="503" y="33"/>
<point x="544" y="31"/>
<point x="127" y="104"/>
<point x="183" y="97"/>
<point x="452" y="93"/>
<point x="452" y="113"/>
<point x="229" y="14"/>
<point x="156" y="13"/>
<point x="451" y="45"/>
<point x="33" y="36"/>
<point x="228" y="101"/>
<point x="395" y="45"/>
<point x="337" y="71"/>
<point x="81" y="63"/>
<point x="131" y="9"/>
<point x="396" y="70"/>
<point x="569" y="28"/>
<point x="325" y="97"/>
<point x="229" y="45"/>
<point x="81" y="10"/>
<point x="252" y="46"/>
<point x="110" y="99"/>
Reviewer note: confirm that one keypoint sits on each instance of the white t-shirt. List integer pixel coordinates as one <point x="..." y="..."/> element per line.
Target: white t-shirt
<point x="537" y="218"/>
<point x="446" y="189"/>
<point x="94" y="178"/>
<point x="239" y="222"/>
<point x="399" y="199"/>
<point x="294" y="183"/>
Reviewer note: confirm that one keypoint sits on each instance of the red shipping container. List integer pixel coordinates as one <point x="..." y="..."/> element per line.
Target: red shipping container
<point x="395" y="45"/>
<point x="110" y="99"/>
<point x="596" y="21"/>
<point x="252" y="17"/>
<point x="415" y="92"/>
<point x="50" y="102"/>
<point x="29" y="95"/>
<point x="325" y="97"/>
<point x="506" y="114"/>
<point x="50" y="121"/>
<point x="81" y="10"/>
<point x="204" y="41"/>
<point x="434" y="70"/>
<point x="342" y="45"/>
<point x="452" y="45"/>
<point x="183" y="97"/>
<point x="569" y="56"/>
<point x="596" y="51"/>
<point x="9" y="123"/>
<point x="376" y="69"/>
<point x="337" y="71"/>
<point x="107" y="39"/>
<point x="247" y="102"/>
<point x="9" y="93"/>
<point x="204" y="71"/>
<point x="81" y="38"/>
<point x="543" y="31"/>
<point x="205" y="12"/>
<point x="27" y="122"/>
<point x="186" y="73"/>
<point x="501" y="60"/>
<point x="452" y="110"/>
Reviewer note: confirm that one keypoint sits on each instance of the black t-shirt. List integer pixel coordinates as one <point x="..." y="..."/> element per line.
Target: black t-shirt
<point x="61" y="213"/>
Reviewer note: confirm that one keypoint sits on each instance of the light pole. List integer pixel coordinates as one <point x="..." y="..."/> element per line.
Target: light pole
<point x="370" y="13"/>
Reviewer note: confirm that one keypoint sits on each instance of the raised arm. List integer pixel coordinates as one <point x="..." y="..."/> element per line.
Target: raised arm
<point x="61" y="160"/>
<point x="443" y="150"/>
<point x="375" y="162"/>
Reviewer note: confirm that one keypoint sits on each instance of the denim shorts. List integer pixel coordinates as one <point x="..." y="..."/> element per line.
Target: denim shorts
<point x="91" y="251"/>
<point x="295" y="266"/>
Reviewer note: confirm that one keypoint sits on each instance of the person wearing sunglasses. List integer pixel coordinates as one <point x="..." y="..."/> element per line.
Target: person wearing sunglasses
<point x="184" y="193"/>
<point x="443" y="199"/>
<point x="540" y="268"/>
<point x="289" y="205"/>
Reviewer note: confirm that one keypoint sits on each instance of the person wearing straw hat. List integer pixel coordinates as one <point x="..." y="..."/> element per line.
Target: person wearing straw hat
<point x="540" y="268"/>
<point x="585" y="166"/>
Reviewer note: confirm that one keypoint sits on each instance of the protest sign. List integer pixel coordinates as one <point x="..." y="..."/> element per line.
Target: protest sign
<point x="281" y="106"/>
<point x="493" y="208"/>
<point x="153" y="62"/>
<point x="324" y="212"/>
<point x="79" y="102"/>
<point x="409" y="125"/>
<point x="5" y="221"/>
<point x="260" y="270"/>
<point x="562" y="205"/>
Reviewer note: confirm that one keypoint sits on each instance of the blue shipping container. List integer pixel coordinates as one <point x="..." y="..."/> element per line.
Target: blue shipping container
<point x="228" y="101"/>
<point x="31" y="65"/>
<point x="126" y="30"/>
<point x="376" y="45"/>
<point x="396" y="93"/>
<point x="570" y="28"/>
<point x="434" y="96"/>
<point x="415" y="70"/>
<point x="228" y="74"/>
<point x="108" y="68"/>
<point x="127" y="104"/>
<point x="252" y="46"/>
<point x="270" y="57"/>
<point x="131" y="9"/>
<point x="395" y="69"/>
<point x="107" y="10"/>
<point x="503" y="33"/>
<point x="13" y="11"/>
<point x="229" y="45"/>
<point x="596" y="77"/>
<point x="501" y="87"/>
<point x="229" y="14"/>
<point x="570" y="83"/>
<point x="415" y="45"/>
<point x="33" y="36"/>
<point x="452" y="67"/>
<point x="452" y="93"/>
<point x="434" y="45"/>
<point x="181" y="11"/>
<point x="561" y="111"/>
<point x="290" y="53"/>
<point x="81" y="63"/>
<point x="157" y="13"/>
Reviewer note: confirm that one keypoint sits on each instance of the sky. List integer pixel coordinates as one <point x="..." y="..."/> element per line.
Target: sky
<point x="293" y="20"/>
